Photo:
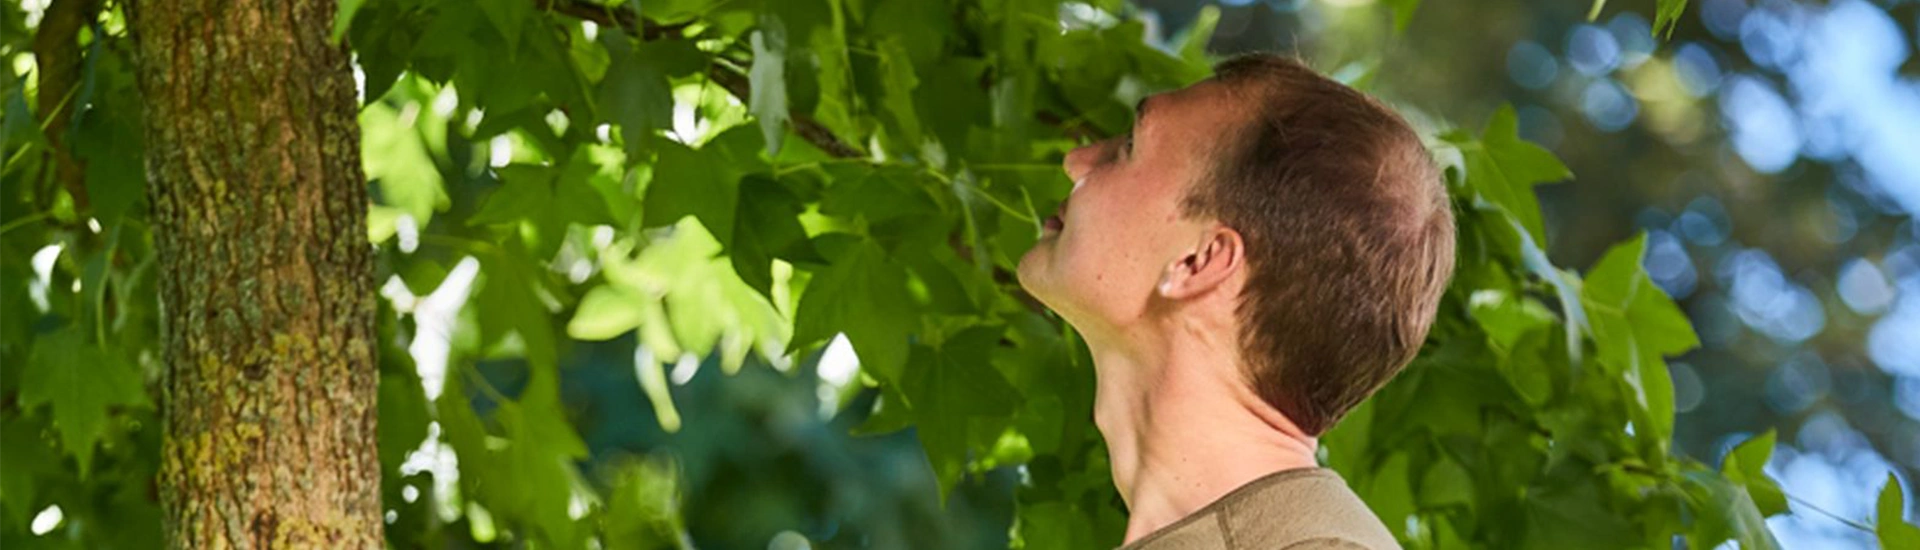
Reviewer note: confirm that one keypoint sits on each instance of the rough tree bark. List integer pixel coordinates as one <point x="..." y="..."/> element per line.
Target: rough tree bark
<point x="259" y="209"/>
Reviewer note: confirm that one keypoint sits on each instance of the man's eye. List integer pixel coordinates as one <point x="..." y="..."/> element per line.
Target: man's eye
<point x="1129" y="143"/>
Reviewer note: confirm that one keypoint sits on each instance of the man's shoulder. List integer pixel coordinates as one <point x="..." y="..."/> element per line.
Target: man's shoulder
<point x="1328" y="543"/>
<point x="1302" y="509"/>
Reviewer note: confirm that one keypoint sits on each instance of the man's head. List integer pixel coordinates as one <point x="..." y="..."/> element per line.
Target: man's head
<point x="1312" y="213"/>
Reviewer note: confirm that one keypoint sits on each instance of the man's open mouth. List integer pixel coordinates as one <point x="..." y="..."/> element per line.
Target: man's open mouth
<point x="1057" y="221"/>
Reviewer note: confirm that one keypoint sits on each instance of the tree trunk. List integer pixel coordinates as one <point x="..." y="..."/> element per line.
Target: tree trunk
<point x="259" y="209"/>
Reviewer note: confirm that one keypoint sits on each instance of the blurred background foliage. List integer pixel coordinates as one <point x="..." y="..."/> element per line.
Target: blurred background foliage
<point x="688" y="273"/>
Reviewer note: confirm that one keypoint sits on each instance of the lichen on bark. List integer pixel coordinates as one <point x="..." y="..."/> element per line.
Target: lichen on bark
<point x="259" y="210"/>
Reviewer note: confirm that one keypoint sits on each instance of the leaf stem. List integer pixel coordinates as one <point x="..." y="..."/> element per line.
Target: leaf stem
<point x="24" y="220"/>
<point x="482" y="383"/>
<point x="463" y="243"/>
<point x="1011" y="211"/>
<point x="1013" y="166"/>
<point x="1836" y="517"/>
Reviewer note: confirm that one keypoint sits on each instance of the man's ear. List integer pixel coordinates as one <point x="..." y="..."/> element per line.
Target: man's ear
<point x="1209" y="264"/>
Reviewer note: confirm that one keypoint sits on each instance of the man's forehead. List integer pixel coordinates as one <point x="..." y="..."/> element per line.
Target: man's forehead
<point x="1190" y="110"/>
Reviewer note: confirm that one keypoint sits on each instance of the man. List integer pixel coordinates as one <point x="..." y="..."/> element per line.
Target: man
<point x="1261" y="253"/>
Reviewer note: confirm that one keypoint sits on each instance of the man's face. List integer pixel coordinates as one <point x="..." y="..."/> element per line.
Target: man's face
<point x="1099" y="260"/>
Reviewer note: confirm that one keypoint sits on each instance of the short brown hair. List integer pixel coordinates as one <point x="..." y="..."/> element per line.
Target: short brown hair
<point x="1348" y="232"/>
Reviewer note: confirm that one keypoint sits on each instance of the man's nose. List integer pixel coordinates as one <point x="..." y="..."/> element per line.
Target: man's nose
<point x="1079" y="160"/>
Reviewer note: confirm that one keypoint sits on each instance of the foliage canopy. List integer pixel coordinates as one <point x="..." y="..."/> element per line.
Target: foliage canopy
<point x="749" y="179"/>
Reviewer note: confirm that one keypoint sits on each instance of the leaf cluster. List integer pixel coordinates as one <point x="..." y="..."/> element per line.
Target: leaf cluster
<point x="749" y="180"/>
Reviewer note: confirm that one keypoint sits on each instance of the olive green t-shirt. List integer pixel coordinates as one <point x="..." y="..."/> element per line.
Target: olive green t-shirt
<point x="1300" y="509"/>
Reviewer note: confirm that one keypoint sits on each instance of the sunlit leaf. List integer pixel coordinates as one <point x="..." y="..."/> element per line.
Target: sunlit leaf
<point x="1891" y="524"/>
<point x="605" y="312"/>
<point x="864" y="295"/>
<point x="1745" y="466"/>
<point x="769" y="79"/>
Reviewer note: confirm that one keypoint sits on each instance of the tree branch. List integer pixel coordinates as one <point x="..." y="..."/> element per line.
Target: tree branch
<point x="623" y="18"/>
<point x="805" y="125"/>
<point x="735" y="83"/>
<point x="56" y="50"/>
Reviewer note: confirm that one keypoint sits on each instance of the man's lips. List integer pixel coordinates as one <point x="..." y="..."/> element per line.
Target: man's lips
<point x="1057" y="221"/>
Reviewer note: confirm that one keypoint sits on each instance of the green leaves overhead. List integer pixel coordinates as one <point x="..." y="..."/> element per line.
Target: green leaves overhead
<point x="743" y="181"/>
<point x="1639" y="327"/>
<point x="545" y="200"/>
<point x="510" y="302"/>
<point x="863" y="295"/>
<point x="1508" y="168"/>
<point x="636" y="92"/>
<point x="79" y="381"/>
<point x="508" y="18"/>
<point x="897" y="84"/>
<point x="1745" y="466"/>
<point x="957" y="396"/>
<point x="399" y="165"/>
<point x="527" y="482"/>
<point x="702" y="183"/>
<point x="767" y="227"/>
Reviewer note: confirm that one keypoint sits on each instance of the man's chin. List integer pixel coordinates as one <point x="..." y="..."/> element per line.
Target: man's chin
<point x="1032" y="271"/>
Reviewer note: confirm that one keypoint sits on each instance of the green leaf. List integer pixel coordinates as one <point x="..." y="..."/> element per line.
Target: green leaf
<point x="1667" y="16"/>
<point x="32" y="462"/>
<point x="864" y="295"/>
<point x="768" y="78"/>
<point x="693" y="182"/>
<point x="605" y="312"/>
<point x="1570" y="515"/>
<point x="1636" y="327"/>
<point x="526" y="475"/>
<point x="403" y="413"/>
<point x="1745" y="466"/>
<point x="921" y="26"/>
<point x="539" y="457"/>
<point x="1890" y="525"/>
<point x="1726" y="511"/>
<point x="643" y="508"/>
<point x="1503" y="169"/>
<point x="1389" y="491"/>
<point x="526" y="193"/>
<point x="114" y="177"/>
<point x="82" y="383"/>
<point x="897" y="84"/>
<point x="1506" y="317"/>
<point x="549" y="199"/>
<point x="1446" y="483"/>
<point x="766" y="228"/>
<point x="508" y="17"/>
<point x="949" y="388"/>
<point x="839" y="105"/>
<point x="1193" y="47"/>
<point x="1565" y="285"/>
<point x="342" y="18"/>
<point x="396" y="160"/>
<point x="1403" y="13"/>
<point x="507" y="304"/>
<point x="635" y="93"/>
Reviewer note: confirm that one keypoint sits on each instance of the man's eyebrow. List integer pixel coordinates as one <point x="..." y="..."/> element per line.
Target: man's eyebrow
<point x="1140" y="113"/>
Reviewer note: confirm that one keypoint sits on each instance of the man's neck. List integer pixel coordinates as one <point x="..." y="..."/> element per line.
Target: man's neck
<point x="1183" y="428"/>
